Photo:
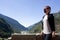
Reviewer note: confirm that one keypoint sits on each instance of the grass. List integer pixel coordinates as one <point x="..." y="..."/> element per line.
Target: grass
<point x="3" y="39"/>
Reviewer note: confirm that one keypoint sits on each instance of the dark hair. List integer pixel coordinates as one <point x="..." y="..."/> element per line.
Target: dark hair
<point x="44" y="10"/>
<point x="47" y="7"/>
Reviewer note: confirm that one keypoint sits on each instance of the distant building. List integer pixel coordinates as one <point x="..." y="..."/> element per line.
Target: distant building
<point x="24" y="32"/>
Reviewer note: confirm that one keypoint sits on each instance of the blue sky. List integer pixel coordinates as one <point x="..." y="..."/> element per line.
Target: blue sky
<point x="27" y="12"/>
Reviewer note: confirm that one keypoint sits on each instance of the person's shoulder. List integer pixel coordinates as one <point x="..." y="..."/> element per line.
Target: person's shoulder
<point x="50" y="14"/>
<point x="43" y="16"/>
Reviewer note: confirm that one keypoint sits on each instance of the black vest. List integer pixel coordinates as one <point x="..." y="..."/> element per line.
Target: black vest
<point x="50" y="21"/>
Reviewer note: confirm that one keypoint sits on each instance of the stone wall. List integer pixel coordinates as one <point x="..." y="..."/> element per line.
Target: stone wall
<point x="31" y="37"/>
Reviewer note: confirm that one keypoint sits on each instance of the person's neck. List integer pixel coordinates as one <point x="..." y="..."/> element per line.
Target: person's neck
<point x="47" y="13"/>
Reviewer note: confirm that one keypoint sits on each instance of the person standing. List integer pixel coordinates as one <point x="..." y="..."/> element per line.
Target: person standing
<point x="48" y="24"/>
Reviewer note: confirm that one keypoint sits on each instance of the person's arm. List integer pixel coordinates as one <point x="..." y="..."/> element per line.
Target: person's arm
<point x="53" y="27"/>
<point x="52" y="24"/>
<point x="42" y="30"/>
<point x="42" y="26"/>
<point x="53" y="34"/>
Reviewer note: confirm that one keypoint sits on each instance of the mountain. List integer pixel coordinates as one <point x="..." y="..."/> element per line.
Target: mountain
<point x="15" y="25"/>
<point x="5" y="29"/>
<point x="37" y="26"/>
<point x="57" y="21"/>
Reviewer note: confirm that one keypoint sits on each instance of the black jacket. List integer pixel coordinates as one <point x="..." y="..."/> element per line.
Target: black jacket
<point x="51" y="22"/>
